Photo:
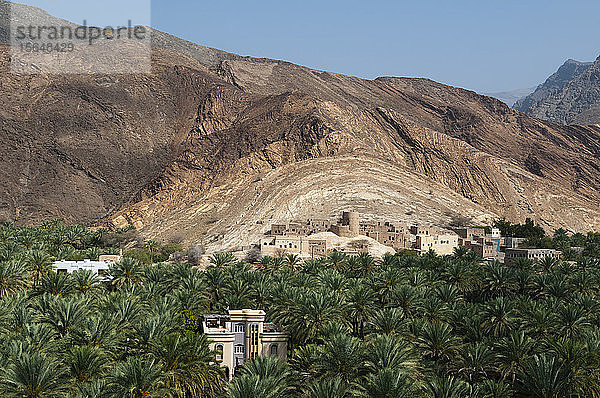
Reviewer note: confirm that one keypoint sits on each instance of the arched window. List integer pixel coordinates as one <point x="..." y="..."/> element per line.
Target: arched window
<point x="239" y="328"/>
<point x="274" y="350"/>
<point x="219" y="349"/>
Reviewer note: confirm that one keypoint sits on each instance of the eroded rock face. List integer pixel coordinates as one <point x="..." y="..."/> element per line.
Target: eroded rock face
<point x="214" y="147"/>
<point x="569" y="96"/>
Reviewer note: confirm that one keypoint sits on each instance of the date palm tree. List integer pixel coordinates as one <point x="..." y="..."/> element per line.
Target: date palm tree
<point x="153" y="248"/>
<point x="85" y="281"/>
<point x="341" y="356"/>
<point x="63" y="315"/>
<point x="391" y="352"/>
<point x="125" y="272"/>
<point x="33" y="375"/>
<point x="494" y="389"/>
<point x="330" y="388"/>
<point x="543" y="377"/>
<point x="360" y="301"/>
<point x="292" y="261"/>
<point x="58" y="284"/>
<point x="221" y="260"/>
<point x="572" y="320"/>
<point x="247" y="386"/>
<point x="337" y="260"/>
<point x="273" y="368"/>
<point x="135" y="378"/>
<point x="408" y="299"/>
<point x="437" y="342"/>
<point x="387" y="321"/>
<point x="387" y="383"/>
<point x="86" y="363"/>
<point x="40" y="264"/>
<point x="187" y="365"/>
<point x="308" y="313"/>
<point x="499" y="317"/>
<point x="475" y="361"/>
<point x="99" y="331"/>
<point x="13" y="277"/>
<point x="512" y="353"/>
<point x="445" y="387"/>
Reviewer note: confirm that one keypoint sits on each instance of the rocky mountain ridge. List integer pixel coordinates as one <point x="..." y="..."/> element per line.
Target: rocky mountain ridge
<point x="569" y="96"/>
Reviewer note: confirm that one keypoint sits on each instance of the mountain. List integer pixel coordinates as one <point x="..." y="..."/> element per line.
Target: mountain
<point x="510" y="97"/>
<point x="569" y="96"/>
<point x="212" y="147"/>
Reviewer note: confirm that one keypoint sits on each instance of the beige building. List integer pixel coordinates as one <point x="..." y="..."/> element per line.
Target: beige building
<point x="311" y="226"/>
<point x="442" y="244"/>
<point x="512" y="255"/>
<point x="428" y="230"/>
<point x="303" y="246"/>
<point x="395" y="235"/>
<point x="483" y="247"/>
<point x="110" y="258"/>
<point x="470" y="233"/>
<point x="243" y="335"/>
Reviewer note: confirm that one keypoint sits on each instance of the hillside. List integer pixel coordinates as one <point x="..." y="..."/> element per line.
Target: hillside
<point x="213" y="147"/>
<point x="569" y="96"/>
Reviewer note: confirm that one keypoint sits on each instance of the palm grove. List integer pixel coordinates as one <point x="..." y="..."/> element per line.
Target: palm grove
<point x="403" y="326"/>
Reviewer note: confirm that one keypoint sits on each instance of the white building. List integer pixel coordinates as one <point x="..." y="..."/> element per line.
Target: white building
<point x="99" y="268"/>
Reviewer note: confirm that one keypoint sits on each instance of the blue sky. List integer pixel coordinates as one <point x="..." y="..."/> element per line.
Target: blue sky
<point x="481" y="45"/>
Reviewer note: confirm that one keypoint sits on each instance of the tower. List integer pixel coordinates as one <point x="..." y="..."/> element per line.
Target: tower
<point x="350" y="218"/>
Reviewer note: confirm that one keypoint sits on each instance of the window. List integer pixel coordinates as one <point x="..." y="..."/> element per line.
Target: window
<point x="239" y="328"/>
<point x="238" y="349"/>
<point x="255" y="335"/>
<point x="219" y="350"/>
<point x="274" y="350"/>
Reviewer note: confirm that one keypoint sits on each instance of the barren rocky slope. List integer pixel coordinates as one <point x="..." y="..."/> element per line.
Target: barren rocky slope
<point x="569" y="96"/>
<point x="213" y="147"/>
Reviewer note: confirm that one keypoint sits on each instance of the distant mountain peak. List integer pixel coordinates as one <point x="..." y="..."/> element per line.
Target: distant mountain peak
<point x="569" y="96"/>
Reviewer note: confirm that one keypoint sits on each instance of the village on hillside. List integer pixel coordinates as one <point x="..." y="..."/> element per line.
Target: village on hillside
<point x="316" y="238"/>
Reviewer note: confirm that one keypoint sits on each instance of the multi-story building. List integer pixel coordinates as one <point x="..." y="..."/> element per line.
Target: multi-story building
<point x="484" y="248"/>
<point x="442" y="243"/>
<point x="387" y="233"/>
<point x="243" y="335"/>
<point x="311" y="226"/>
<point x="426" y="230"/>
<point x="288" y="244"/>
<point x="512" y="255"/>
<point x="469" y="233"/>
